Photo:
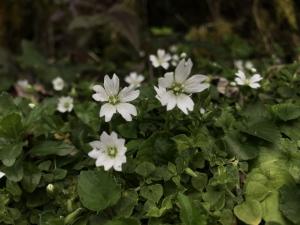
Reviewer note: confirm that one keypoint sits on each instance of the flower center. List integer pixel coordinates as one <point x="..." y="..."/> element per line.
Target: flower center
<point x="247" y="81"/>
<point x="66" y="105"/>
<point x="112" y="151"/>
<point x="177" y="88"/>
<point x="113" y="99"/>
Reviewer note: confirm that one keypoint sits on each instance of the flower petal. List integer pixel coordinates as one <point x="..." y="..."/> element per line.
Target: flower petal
<point x="100" y="94"/>
<point x="171" y="100"/>
<point x="183" y="70"/>
<point x="255" y="78"/>
<point x="154" y="60"/>
<point x="2" y="174"/>
<point x="107" y="163"/>
<point x="240" y="74"/>
<point x="254" y="85"/>
<point x="126" y="110"/>
<point x="128" y="94"/>
<point x="167" y="80"/>
<point x="105" y="138"/>
<point x="193" y="84"/>
<point x="239" y="81"/>
<point x="94" y="153"/>
<point x="162" y="95"/>
<point x="185" y="103"/>
<point x="165" y="65"/>
<point x="161" y="53"/>
<point x="117" y="167"/>
<point x="111" y="85"/>
<point x="108" y="111"/>
<point x="239" y="64"/>
<point x="95" y="144"/>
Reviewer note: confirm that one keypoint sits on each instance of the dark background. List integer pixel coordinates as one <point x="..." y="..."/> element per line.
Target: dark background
<point x="46" y="22"/>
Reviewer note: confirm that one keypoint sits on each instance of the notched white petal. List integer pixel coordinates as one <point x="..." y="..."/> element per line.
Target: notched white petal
<point x="194" y="84"/>
<point x="127" y="110"/>
<point x="183" y="70"/>
<point x="185" y="103"/>
<point x="94" y="153"/>
<point x="128" y="94"/>
<point x="167" y="80"/>
<point x="107" y="110"/>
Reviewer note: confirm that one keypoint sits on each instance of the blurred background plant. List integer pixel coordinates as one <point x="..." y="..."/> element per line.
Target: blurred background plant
<point x="108" y="35"/>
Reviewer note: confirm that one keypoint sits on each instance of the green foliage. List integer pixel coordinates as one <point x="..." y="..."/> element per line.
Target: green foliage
<point x="249" y="212"/>
<point x="289" y="202"/>
<point x="235" y="161"/>
<point x="97" y="190"/>
<point x="189" y="213"/>
<point x="51" y="148"/>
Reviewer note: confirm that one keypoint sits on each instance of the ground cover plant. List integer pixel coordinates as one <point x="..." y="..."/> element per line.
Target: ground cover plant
<point x="114" y="118"/>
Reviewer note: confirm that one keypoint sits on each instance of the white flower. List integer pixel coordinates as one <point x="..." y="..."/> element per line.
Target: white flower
<point x="2" y="174"/>
<point x="65" y="104"/>
<point x="134" y="79"/>
<point x="252" y="82"/>
<point x="202" y="110"/>
<point x="109" y="151"/>
<point x="162" y="59"/>
<point x="24" y="84"/>
<point x="175" y="60"/>
<point x="58" y="84"/>
<point x="31" y="105"/>
<point x="183" y="55"/>
<point x="249" y="65"/>
<point x="241" y="65"/>
<point x="117" y="101"/>
<point x="173" y="48"/>
<point x="175" y="89"/>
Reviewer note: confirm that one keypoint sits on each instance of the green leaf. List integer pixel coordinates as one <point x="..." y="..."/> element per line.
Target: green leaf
<point x="123" y="221"/>
<point x="88" y="112"/>
<point x="189" y="213"/>
<point x="15" y="173"/>
<point x="152" y="192"/>
<point x="7" y="104"/>
<point x="199" y="182"/>
<point x="166" y="204"/>
<point x="270" y="208"/>
<point x="126" y="204"/>
<point x="256" y="191"/>
<point x="37" y="198"/>
<point x="128" y="130"/>
<point x="52" y="148"/>
<point x="98" y="190"/>
<point x="271" y="176"/>
<point x="9" y="152"/>
<point x="14" y="189"/>
<point x="291" y="129"/>
<point x="235" y="146"/>
<point x="145" y="169"/>
<point x="286" y="111"/>
<point x="249" y="212"/>
<point x="289" y="202"/>
<point x="214" y="197"/>
<point x="31" y="178"/>
<point x="265" y="130"/>
<point x="183" y="142"/>
<point x="11" y="126"/>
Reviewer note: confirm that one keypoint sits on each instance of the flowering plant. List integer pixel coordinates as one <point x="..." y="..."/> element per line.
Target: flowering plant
<point x="171" y="146"/>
